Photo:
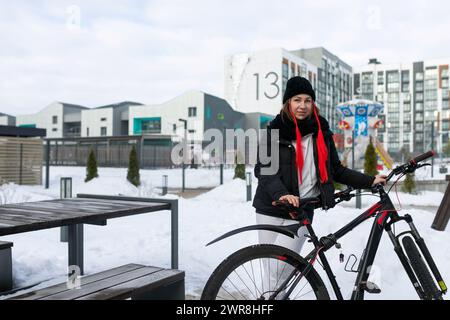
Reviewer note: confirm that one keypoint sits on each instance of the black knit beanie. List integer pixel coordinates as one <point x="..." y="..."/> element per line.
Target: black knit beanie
<point x="298" y="85"/>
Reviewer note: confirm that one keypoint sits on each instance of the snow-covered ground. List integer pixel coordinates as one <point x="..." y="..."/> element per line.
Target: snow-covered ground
<point x="39" y="256"/>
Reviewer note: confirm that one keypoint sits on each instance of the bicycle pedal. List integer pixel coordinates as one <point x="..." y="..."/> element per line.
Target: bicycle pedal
<point x="370" y="287"/>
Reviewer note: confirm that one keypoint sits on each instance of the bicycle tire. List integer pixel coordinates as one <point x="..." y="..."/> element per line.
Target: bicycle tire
<point x="420" y="269"/>
<point x="261" y="251"/>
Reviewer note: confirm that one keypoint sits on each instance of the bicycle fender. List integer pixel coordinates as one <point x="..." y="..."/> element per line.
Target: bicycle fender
<point x="290" y="231"/>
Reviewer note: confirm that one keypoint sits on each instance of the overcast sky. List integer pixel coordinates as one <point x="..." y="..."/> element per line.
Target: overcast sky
<point x="99" y="52"/>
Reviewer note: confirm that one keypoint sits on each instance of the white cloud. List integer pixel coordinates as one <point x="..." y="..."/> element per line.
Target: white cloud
<point x="151" y="51"/>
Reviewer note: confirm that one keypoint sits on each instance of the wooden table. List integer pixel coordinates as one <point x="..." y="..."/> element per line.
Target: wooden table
<point x="84" y="209"/>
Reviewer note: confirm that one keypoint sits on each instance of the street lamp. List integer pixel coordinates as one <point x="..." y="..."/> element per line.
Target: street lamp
<point x="248" y="181"/>
<point x="223" y="155"/>
<point x="358" y="198"/>
<point x="184" y="121"/>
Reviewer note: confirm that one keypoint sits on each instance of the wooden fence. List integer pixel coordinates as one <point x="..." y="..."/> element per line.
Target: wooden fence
<point x="21" y="160"/>
<point x="113" y="154"/>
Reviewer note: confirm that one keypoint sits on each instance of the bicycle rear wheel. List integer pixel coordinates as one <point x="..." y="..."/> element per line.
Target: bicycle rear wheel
<point x="255" y="272"/>
<point x="420" y="269"/>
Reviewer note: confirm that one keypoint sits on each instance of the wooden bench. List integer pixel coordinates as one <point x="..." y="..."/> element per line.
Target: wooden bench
<point x="6" y="280"/>
<point x="133" y="281"/>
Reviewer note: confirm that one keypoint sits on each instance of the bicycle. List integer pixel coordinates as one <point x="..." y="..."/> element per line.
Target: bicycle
<point x="237" y="277"/>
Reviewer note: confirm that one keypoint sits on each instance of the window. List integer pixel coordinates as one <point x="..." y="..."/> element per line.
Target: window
<point x="393" y="86"/>
<point x="103" y="119"/>
<point x="151" y="126"/>
<point x="87" y="132"/>
<point x="444" y="104"/>
<point x="431" y="105"/>
<point x="393" y="76"/>
<point x="407" y="138"/>
<point x="444" y="73"/>
<point x="431" y="73"/>
<point x="444" y="138"/>
<point x="419" y="96"/>
<point x="367" y="88"/>
<point x="444" y="83"/>
<point x="380" y="88"/>
<point x="103" y="131"/>
<point x="393" y="136"/>
<point x="380" y="77"/>
<point x="174" y="128"/>
<point x="445" y="125"/>
<point x="406" y="128"/>
<point x="55" y="120"/>
<point x="431" y="84"/>
<point x="407" y="117"/>
<point x="405" y="76"/>
<point x="431" y="95"/>
<point x="367" y="77"/>
<point x="419" y="106"/>
<point x="54" y="129"/>
<point x="405" y="87"/>
<point x="419" y="86"/>
<point x="393" y="107"/>
<point x="192" y="111"/>
<point x="445" y="94"/>
<point x="419" y="76"/>
<point x="406" y="96"/>
<point x="285" y="70"/>
<point x="394" y="116"/>
<point x="419" y="116"/>
<point x="419" y="126"/>
<point x="393" y="97"/>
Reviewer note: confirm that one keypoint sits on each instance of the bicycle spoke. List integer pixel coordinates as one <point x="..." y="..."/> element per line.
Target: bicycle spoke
<point x="303" y="294"/>
<point x="245" y="284"/>
<point x="253" y="273"/>
<point x="278" y="279"/>
<point x="260" y="271"/>
<point x="237" y="290"/>
<point x="228" y="293"/>
<point x="251" y="279"/>
<point x="301" y="291"/>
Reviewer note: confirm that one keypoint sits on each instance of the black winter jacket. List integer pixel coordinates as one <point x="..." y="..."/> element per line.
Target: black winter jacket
<point x="285" y="181"/>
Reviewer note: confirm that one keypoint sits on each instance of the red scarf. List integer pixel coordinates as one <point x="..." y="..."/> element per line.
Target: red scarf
<point x="321" y="149"/>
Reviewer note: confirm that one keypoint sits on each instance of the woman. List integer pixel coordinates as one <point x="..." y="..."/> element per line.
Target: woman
<point x="308" y="164"/>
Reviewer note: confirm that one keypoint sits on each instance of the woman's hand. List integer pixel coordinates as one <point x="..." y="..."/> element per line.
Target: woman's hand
<point x="293" y="200"/>
<point x="381" y="178"/>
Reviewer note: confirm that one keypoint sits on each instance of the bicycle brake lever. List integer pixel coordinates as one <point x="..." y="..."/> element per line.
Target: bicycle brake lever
<point x="423" y="165"/>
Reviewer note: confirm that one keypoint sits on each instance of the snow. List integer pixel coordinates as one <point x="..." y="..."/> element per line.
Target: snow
<point x="40" y="257"/>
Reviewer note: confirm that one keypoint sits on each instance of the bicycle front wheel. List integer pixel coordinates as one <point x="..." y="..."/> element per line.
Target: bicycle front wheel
<point x="257" y="272"/>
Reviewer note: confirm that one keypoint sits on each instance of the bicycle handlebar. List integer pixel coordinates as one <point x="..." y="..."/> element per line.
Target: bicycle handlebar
<point x="422" y="157"/>
<point x="412" y="165"/>
<point x="284" y="204"/>
<point x="345" y="195"/>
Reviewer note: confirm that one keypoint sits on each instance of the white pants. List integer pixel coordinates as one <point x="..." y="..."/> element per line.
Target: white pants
<point x="273" y="276"/>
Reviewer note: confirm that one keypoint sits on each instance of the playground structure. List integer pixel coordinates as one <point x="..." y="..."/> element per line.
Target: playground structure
<point x="359" y="123"/>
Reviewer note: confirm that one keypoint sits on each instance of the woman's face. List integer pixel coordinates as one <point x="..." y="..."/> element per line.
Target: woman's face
<point x="301" y="106"/>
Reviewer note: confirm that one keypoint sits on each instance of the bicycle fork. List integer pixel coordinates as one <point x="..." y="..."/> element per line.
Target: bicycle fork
<point x="423" y="248"/>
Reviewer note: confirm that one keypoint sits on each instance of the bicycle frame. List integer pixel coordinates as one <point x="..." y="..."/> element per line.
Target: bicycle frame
<point x="383" y="211"/>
